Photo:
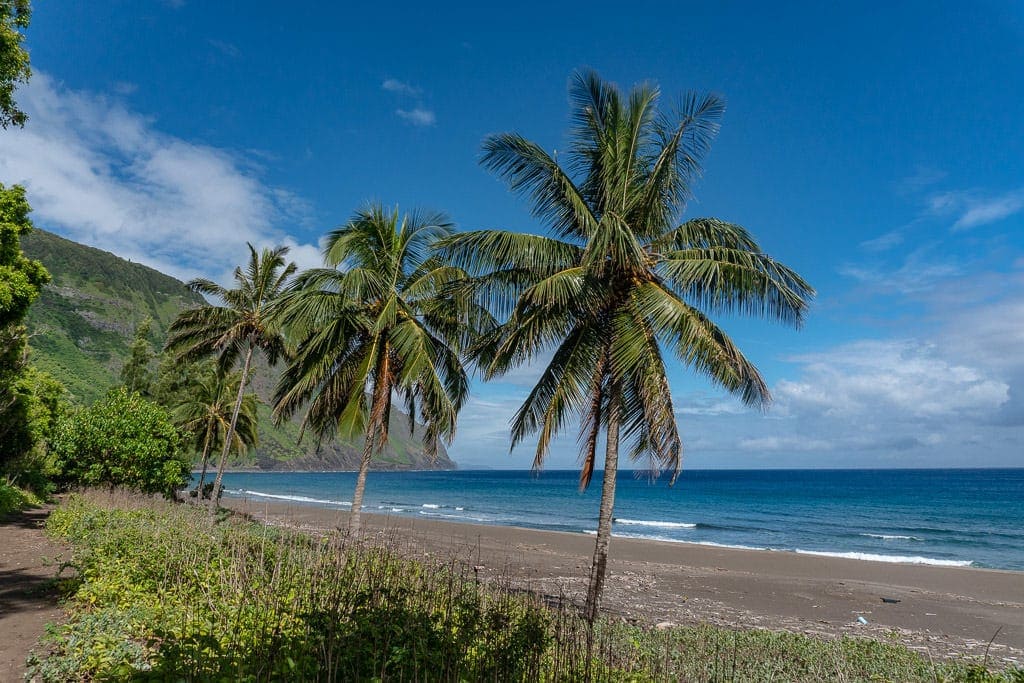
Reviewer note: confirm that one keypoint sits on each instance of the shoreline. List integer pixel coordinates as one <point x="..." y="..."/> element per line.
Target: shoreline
<point x="944" y="610"/>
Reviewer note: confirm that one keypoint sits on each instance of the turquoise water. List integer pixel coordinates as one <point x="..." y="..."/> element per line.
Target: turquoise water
<point x="941" y="517"/>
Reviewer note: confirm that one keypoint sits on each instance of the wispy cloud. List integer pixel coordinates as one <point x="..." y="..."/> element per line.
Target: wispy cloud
<point x="402" y="88"/>
<point x="124" y="87"/>
<point x="225" y="48"/>
<point x="923" y="178"/>
<point x="920" y="271"/>
<point x="971" y="209"/>
<point x="102" y="174"/>
<point x="889" y="240"/>
<point x="417" y="116"/>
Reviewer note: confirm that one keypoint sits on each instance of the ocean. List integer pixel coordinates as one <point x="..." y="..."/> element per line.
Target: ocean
<point x="962" y="517"/>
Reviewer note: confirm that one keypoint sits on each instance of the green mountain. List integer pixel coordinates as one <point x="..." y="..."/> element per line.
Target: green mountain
<point x="82" y="325"/>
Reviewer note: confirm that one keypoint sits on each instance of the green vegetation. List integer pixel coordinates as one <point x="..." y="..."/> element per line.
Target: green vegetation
<point x="204" y="409"/>
<point x="379" y="315"/>
<point x="14" y="64"/>
<point x="82" y="327"/>
<point x="14" y="498"/>
<point x="161" y="592"/>
<point x="135" y="373"/>
<point x="620" y="283"/>
<point x="122" y="440"/>
<point x="235" y="330"/>
<point x="30" y="400"/>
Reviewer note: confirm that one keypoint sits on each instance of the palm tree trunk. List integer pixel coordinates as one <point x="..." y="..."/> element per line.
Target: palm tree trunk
<point x="357" y="498"/>
<point x="375" y="427"/>
<point x="206" y="460"/>
<point x="242" y="384"/>
<point x="604" y="522"/>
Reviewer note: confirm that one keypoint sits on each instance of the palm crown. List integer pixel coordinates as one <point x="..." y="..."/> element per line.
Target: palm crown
<point x="243" y="323"/>
<point x="204" y="409"/>
<point x="243" y="320"/>
<point x="378" y="323"/>
<point x="621" y="279"/>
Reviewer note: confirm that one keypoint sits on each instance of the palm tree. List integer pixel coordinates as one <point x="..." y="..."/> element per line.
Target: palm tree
<point x="619" y="282"/>
<point x="374" y="324"/>
<point x="204" y="409"/>
<point x="235" y="329"/>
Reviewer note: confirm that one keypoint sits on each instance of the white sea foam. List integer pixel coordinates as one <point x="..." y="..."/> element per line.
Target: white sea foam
<point x="297" y="499"/>
<point x="900" y="559"/>
<point x="656" y="523"/>
<point x="463" y="518"/>
<point x="896" y="559"/>
<point x="458" y="508"/>
<point x="431" y="506"/>
<point x="893" y="537"/>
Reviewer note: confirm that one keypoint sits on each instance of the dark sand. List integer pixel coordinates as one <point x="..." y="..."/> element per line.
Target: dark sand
<point x="942" y="611"/>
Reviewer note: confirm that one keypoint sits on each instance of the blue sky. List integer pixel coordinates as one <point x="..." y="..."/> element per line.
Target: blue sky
<point x="877" y="150"/>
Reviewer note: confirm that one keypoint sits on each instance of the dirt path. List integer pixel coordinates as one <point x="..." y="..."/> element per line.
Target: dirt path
<point x="28" y="560"/>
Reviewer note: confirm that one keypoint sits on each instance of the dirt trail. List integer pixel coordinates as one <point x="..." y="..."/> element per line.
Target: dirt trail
<point x="28" y="600"/>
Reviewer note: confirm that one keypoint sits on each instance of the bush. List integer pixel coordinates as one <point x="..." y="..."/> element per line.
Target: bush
<point x="122" y="441"/>
<point x="13" y="498"/>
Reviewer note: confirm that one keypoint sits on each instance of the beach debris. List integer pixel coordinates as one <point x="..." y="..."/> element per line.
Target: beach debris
<point x="661" y="626"/>
<point x="862" y="620"/>
<point x="891" y="601"/>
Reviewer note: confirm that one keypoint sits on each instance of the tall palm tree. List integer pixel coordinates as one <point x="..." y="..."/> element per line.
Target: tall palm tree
<point x="619" y="282"/>
<point x="237" y="328"/>
<point x="374" y="324"/>
<point x="204" y="409"/>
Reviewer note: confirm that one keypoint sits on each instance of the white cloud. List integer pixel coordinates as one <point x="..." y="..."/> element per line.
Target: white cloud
<point x="891" y="239"/>
<point x="899" y="377"/>
<point x="920" y="272"/>
<point x="921" y="179"/>
<point x="104" y="175"/>
<point x="418" y="116"/>
<point x="225" y="48"/>
<point x="973" y="209"/>
<point x="396" y="86"/>
<point x="124" y="87"/>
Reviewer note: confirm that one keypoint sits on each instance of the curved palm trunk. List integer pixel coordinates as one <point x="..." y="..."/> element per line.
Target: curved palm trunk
<point x="206" y="460"/>
<point x="604" y="523"/>
<point x="242" y="384"/>
<point x="378" y="422"/>
<point x="354" y="520"/>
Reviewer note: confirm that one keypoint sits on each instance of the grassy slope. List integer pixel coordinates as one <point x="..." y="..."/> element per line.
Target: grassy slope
<point x="82" y="325"/>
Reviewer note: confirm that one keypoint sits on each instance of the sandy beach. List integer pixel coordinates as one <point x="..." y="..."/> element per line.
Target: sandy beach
<point x="942" y="611"/>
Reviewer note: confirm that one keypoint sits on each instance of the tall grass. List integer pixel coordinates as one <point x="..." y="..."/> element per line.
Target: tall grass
<point x="162" y="593"/>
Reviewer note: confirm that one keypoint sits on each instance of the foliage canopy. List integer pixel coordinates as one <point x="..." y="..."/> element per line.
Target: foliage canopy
<point x="124" y="441"/>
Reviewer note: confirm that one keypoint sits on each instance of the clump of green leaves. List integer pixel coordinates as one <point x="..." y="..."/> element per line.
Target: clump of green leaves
<point x="14" y="498"/>
<point x="20" y="282"/>
<point x="124" y="441"/>
<point x="14" y="65"/>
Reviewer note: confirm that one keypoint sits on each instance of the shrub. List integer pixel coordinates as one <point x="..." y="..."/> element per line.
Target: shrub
<point x="123" y="441"/>
<point x="13" y="498"/>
